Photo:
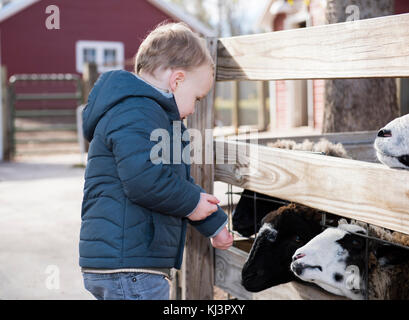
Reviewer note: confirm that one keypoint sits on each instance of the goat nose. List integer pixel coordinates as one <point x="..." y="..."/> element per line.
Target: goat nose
<point x="384" y="133"/>
<point x="298" y="256"/>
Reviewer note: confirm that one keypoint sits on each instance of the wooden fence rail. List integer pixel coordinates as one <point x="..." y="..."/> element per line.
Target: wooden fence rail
<point x="369" y="192"/>
<point x="369" y="48"/>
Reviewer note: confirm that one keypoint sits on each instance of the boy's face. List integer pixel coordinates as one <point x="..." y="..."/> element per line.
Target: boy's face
<point x="190" y="86"/>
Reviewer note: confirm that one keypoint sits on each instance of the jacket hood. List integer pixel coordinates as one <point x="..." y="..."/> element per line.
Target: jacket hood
<point x="115" y="86"/>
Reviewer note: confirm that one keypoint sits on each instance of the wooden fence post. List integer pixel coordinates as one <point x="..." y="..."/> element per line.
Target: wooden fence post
<point x="235" y="110"/>
<point x="262" y="108"/>
<point x="198" y="263"/>
<point x="89" y="77"/>
<point x="2" y="113"/>
<point x="404" y="96"/>
<point x="5" y="117"/>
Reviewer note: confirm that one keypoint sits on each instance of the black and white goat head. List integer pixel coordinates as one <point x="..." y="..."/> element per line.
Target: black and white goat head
<point x="334" y="260"/>
<point x="392" y="143"/>
<point x="283" y="231"/>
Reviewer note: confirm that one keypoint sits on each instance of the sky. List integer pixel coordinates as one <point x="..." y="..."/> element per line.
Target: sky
<point x="249" y="12"/>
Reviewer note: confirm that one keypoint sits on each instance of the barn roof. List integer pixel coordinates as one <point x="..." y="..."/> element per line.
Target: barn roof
<point x="14" y="7"/>
<point x="169" y="8"/>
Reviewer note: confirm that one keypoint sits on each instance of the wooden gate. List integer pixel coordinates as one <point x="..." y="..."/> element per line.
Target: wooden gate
<point x="43" y="110"/>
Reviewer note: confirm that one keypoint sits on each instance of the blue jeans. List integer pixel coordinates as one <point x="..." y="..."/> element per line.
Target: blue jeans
<point x="127" y="286"/>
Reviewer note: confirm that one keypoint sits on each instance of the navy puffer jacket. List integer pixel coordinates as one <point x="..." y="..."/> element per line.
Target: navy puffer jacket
<point x="134" y="211"/>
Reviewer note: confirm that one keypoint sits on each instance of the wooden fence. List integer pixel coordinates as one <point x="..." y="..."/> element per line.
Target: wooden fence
<point x="44" y="130"/>
<point x="370" y="192"/>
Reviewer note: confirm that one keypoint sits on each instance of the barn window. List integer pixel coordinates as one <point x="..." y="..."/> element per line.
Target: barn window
<point x="108" y="55"/>
<point x="90" y="55"/>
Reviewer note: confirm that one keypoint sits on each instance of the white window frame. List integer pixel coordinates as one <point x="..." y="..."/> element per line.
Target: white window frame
<point x="99" y="47"/>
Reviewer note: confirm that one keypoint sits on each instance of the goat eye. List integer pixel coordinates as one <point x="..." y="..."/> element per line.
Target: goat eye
<point x="271" y="236"/>
<point x="356" y="243"/>
<point x="296" y="238"/>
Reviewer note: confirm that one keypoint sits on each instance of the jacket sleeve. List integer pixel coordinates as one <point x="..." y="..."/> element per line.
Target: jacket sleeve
<point x="152" y="185"/>
<point x="213" y="224"/>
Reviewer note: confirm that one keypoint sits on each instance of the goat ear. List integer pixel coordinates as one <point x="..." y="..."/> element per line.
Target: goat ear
<point x="270" y="217"/>
<point x="267" y="220"/>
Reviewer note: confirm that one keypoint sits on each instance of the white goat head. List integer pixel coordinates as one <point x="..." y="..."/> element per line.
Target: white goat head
<point x="392" y="143"/>
<point x="334" y="260"/>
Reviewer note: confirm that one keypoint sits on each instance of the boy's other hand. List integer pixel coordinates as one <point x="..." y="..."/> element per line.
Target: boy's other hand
<point x="207" y="205"/>
<point x="223" y="240"/>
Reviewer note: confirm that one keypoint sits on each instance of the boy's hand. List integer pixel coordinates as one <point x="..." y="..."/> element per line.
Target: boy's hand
<point x="207" y="205"/>
<point x="223" y="240"/>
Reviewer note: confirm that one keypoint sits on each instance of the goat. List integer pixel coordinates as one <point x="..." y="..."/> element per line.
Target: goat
<point x="283" y="231"/>
<point x="392" y="143"/>
<point x="335" y="261"/>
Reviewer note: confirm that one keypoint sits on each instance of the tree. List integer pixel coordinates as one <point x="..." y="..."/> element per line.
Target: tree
<point x="359" y="104"/>
<point x="196" y="8"/>
<point x="230" y="15"/>
<point x="228" y="19"/>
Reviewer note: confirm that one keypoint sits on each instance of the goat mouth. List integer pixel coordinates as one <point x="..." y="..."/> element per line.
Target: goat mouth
<point x="254" y="287"/>
<point x="382" y="153"/>
<point x="404" y="160"/>
<point x="254" y="283"/>
<point x="298" y="268"/>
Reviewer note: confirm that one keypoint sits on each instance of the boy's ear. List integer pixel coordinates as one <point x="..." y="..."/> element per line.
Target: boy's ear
<point x="177" y="77"/>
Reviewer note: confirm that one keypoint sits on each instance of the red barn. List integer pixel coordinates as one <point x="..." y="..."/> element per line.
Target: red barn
<point x="48" y="36"/>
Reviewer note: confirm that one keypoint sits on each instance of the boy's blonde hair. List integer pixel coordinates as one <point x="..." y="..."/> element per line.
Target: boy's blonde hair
<point x="172" y="45"/>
